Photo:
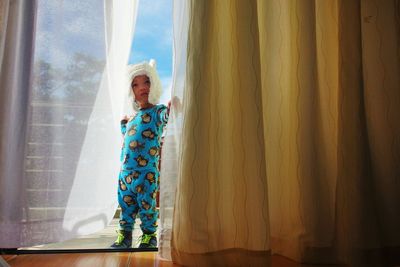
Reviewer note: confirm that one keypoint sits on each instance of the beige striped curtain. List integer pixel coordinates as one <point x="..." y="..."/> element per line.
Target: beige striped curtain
<point x="291" y="134"/>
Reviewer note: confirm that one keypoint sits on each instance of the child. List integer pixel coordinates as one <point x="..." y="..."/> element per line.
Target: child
<point x="138" y="178"/>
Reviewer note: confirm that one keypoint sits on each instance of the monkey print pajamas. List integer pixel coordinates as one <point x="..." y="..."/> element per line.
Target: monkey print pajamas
<point x="138" y="178"/>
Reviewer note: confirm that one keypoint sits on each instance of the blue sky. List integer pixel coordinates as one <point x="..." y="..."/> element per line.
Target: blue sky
<point x="153" y="39"/>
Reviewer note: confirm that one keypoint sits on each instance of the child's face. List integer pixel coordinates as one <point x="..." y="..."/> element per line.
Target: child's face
<point x="141" y="88"/>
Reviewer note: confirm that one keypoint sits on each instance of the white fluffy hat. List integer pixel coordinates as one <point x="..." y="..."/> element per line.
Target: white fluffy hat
<point x="149" y="69"/>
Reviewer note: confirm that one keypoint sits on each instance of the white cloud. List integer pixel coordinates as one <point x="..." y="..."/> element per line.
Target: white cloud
<point x="167" y="37"/>
<point x="154" y="22"/>
<point x="166" y="82"/>
<point x="152" y="8"/>
<point x="137" y="56"/>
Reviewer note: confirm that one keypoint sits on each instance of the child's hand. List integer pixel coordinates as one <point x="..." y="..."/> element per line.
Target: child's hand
<point x="176" y="103"/>
<point x="168" y="107"/>
<point x="124" y="119"/>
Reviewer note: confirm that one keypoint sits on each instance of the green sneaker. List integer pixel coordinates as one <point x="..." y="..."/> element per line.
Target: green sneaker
<point x="148" y="241"/>
<point x="124" y="239"/>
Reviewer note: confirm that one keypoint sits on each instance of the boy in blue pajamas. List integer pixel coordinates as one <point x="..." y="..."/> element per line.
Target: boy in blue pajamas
<point x="138" y="177"/>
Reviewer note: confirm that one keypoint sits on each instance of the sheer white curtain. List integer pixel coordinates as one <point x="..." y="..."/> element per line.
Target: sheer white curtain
<point x="62" y="95"/>
<point x="170" y="150"/>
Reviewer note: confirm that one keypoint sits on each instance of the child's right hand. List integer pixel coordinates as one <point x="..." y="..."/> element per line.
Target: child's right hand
<point x="124" y="119"/>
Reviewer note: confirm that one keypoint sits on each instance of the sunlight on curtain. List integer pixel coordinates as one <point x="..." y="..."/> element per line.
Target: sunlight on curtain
<point x="221" y="208"/>
<point x="171" y="149"/>
<point x="300" y="95"/>
<point x="331" y="98"/>
<point x="63" y="96"/>
<point x="303" y="96"/>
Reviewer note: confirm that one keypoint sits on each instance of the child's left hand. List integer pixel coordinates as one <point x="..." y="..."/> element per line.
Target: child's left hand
<point x="176" y="103"/>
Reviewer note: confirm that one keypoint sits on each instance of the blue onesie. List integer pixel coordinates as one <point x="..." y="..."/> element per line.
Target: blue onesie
<point x="138" y="178"/>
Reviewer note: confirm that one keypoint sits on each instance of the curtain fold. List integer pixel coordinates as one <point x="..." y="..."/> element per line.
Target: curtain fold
<point x="222" y="175"/>
<point x="171" y="146"/>
<point x="63" y="89"/>
<point x="381" y="66"/>
<point x="17" y="42"/>
<point x="290" y="142"/>
<point x="300" y="77"/>
<point x="4" y="5"/>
